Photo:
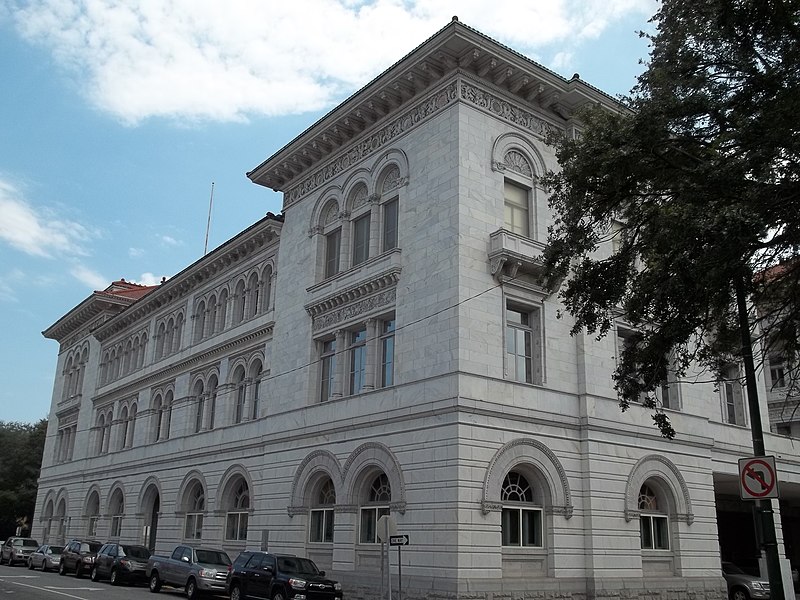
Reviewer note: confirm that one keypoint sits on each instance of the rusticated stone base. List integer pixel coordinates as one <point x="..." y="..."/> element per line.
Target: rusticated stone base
<point x="666" y="588"/>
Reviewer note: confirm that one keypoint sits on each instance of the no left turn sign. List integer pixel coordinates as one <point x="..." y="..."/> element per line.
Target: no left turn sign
<point x="758" y="479"/>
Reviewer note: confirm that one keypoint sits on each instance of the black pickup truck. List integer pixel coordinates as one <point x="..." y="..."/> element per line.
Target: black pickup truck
<point x="279" y="577"/>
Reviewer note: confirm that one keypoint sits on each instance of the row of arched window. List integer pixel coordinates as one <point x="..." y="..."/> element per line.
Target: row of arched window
<point x="125" y="357"/>
<point x="74" y="369"/>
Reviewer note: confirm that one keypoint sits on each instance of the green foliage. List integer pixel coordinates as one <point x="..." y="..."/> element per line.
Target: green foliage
<point x="698" y="176"/>
<point x="21" y="447"/>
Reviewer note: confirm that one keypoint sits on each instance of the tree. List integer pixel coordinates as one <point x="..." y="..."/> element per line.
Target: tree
<point x="21" y="447"/>
<point x="697" y="174"/>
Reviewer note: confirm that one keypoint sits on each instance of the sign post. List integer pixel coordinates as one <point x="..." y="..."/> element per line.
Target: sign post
<point x="399" y="541"/>
<point x="386" y="527"/>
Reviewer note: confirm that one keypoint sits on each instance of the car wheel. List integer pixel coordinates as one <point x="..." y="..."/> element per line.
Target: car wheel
<point x="30" y="564"/>
<point x="114" y="577"/>
<point x="236" y="593"/>
<point x="191" y="589"/>
<point x="62" y="568"/>
<point x="2" y="560"/>
<point x="739" y="594"/>
<point x="278" y="595"/>
<point x="93" y="574"/>
<point x="79" y="571"/>
<point x="155" y="582"/>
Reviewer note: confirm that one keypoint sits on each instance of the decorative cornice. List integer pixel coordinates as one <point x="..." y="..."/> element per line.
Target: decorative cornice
<point x="354" y="309"/>
<point x="372" y="143"/>
<point x="379" y="282"/>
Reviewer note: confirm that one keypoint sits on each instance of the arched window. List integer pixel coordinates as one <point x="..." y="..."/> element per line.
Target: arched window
<point x="653" y="523"/>
<point x="199" y="321"/>
<point x="178" y="333"/>
<point x="521" y="520"/>
<point x="158" y="417"/>
<point x="107" y="432"/>
<point x="359" y="224"/>
<point x="199" y="401"/>
<point x="48" y="521"/>
<point x="253" y="289"/>
<point x="132" y="426"/>
<point x="212" y="315"/>
<point x="61" y="520"/>
<point x="92" y="514"/>
<point x="167" y="413"/>
<point x="101" y="432"/>
<point x="126" y="363"/>
<point x="241" y="394"/>
<point x="161" y="340"/>
<point x="255" y="377"/>
<point x="376" y="506"/>
<point x="212" y="400"/>
<point x="169" y="343"/>
<point x="123" y="426"/>
<point x="142" y="350"/>
<point x="266" y="289"/>
<point x="223" y="310"/>
<point x="195" y="509"/>
<point x="117" y="509"/>
<point x="239" y="302"/>
<point x="237" y="510"/>
<point x="322" y="516"/>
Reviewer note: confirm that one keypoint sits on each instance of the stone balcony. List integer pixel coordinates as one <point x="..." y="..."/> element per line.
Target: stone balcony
<point x="511" y="255"/>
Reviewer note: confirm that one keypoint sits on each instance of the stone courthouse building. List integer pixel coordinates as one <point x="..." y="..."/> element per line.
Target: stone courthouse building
<point x="382" y="347"/>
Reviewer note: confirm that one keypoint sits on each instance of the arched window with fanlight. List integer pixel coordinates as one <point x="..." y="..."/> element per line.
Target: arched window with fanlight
<point x="376" y="506"/>
<point x="653" y="522"/>
<point x="195" y="505"/>
<point x="238" y="501"/>
<point x="522" y="519"/>
<point x="322" y="515"/>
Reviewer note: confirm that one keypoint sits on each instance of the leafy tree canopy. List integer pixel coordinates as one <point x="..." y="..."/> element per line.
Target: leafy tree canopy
<point x="697" y="179"/>
<point x="21" y="447"/>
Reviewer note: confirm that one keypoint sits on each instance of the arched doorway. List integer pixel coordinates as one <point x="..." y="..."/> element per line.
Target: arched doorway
<point x="151" y="506"/>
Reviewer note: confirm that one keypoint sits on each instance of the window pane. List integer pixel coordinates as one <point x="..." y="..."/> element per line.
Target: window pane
<point x="390" y="225"/>
<point x="516" y="209"/>
<point x="531" y="528"/>
<point x="316" y="528"/>
<point x="332" y="242"/>
<point x="368" y="521"/>
<point x="328" y="533"/>
<point x="361" y="239"/>
<point x="646" y="532"/>
<point x="660" y="533"/>
<point x="510" y="526"/>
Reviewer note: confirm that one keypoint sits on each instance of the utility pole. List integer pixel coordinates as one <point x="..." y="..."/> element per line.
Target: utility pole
<point x="763" y="507"/>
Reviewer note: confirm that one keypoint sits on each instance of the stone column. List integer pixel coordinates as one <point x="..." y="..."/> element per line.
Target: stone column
<point x="344" y="538"/>
<point x="374" y="225"/>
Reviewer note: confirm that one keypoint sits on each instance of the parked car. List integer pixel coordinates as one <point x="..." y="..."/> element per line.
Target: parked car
<point x="45" y="557"/>
<point x="279" y="577"/>
<point x="193" y="569"/>
<point x="17" y="549"/>
<point x="121" y="563"/>
<point x="742" y="586"/>
<point x="78" y="557"/>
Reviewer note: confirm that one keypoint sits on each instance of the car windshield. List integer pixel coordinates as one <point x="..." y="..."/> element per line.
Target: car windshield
<point x="55" y="549"/>
<point x="139" y="552"/>
<point x="732" y="569"/>
<point x="297" y="566"/>
<point x="26" y="543"/>
<point x="90" y="547"/>
<point x="211" y="557"/>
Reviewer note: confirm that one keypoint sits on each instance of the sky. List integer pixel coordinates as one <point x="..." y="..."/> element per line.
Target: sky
<point x="117" y="115"/>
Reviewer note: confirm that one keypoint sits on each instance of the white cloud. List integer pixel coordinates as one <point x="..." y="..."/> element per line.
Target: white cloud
<point x="8" y="285"/>
<point x="170" y="241"/>
<point x="148" y="279"/>
<point x="204" y="59"/>
<point x="135" y="252"/>
<point x="88" y="276"/>
<point x="38" y="231"/>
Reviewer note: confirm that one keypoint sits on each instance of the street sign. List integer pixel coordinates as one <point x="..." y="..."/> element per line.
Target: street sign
<point x="758" y="479"/>
<point x="398" y="540"/>
<point x="387" y="527"/>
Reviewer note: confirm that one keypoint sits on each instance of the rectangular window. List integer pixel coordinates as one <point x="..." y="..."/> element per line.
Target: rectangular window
<point x="116" y="526"/>
<point x="522" y="527"/>
<point x="625" y="339"/>
<point x="332" y="245"/>
<point x="194" y="526"/>
<point x="517" y="211"/>
<point x="732" y="395"/>
<point x="361" y="239"/>
<point x="368" y="532"/>
<point x="777" y="376"/>
<point x="328" y="369"/>
<point x="321" y="530"/>
<point x="91" y="531"/>
<point x="654" y="532"/>
<point x="387" y="352"/>
<point x="358" y="360"/>
<point x="523" y="345"/>
<point x="236" y="526"/>
<point x="390" y="225"/>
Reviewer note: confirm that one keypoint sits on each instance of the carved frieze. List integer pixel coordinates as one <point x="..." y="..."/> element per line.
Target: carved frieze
<point x="356" y="309"/>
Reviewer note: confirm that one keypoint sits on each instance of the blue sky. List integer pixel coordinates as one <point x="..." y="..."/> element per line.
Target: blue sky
<point x="117" y="115"/>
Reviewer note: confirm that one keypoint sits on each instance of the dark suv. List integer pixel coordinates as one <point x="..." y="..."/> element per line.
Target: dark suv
<point x="279" y="577"/>
<point x="121" y="563"/>
<point x="78" y="557"/>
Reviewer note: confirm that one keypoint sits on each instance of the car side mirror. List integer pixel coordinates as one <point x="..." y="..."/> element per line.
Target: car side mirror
<point x="322" y="573"/>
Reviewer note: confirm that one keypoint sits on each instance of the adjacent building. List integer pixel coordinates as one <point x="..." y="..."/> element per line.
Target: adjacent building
<point x="382" y="347"/>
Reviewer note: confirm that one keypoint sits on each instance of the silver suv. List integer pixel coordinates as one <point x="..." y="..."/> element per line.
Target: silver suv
<point x="742" y="586"/>
<point x="17" y="549"/>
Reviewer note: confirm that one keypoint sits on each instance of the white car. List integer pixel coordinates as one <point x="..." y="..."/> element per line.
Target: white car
<point x="45" y="558"/>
